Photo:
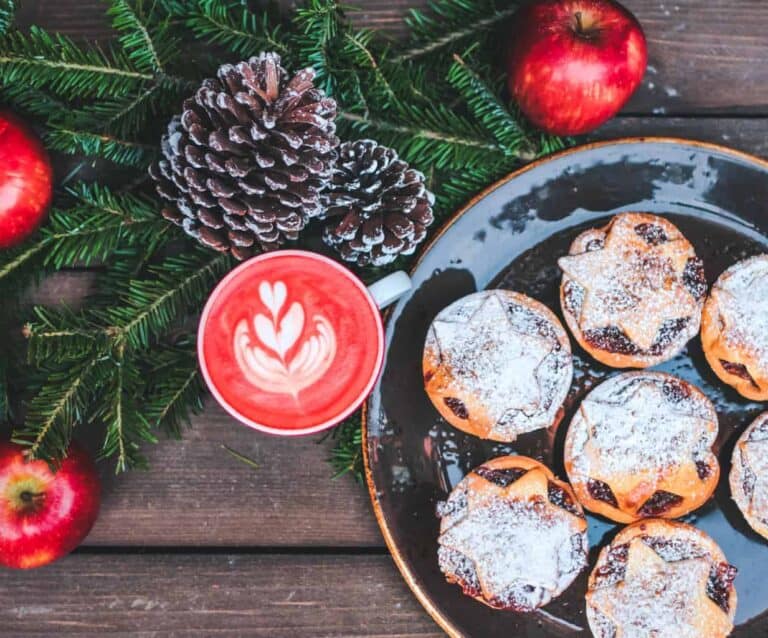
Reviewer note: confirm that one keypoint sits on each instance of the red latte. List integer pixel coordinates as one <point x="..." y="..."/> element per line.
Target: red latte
<point x="290" y="342"/>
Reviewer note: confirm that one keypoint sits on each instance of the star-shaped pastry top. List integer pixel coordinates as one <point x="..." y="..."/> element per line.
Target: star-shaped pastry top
<point x="490" y="357"/>
<point x="631" y="284"/>
<point x="516" y="538"/>
<point x="661" y="599"/>
<point x="637" y="444"/>
<point x="741" y="295"/>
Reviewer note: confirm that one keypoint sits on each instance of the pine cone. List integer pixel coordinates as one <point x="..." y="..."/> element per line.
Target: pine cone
<point x="245" y="162"/>
<point x="379" y="207"/>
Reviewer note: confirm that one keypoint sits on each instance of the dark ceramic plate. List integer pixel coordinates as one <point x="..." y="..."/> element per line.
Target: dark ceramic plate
<point x="510" y="237"/>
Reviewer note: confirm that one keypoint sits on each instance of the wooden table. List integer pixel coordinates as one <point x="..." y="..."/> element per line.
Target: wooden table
<point x="203" y="545"/>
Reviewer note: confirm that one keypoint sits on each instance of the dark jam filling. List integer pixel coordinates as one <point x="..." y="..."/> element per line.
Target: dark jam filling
<point x="502" y="478"/>
<point x="738" y="370"/>
<point x="704" y="470"/>
<point x="720" y="584"/>
<point x="457" y="407"/>
<point x="659" y="503"/>
<point x="595" y="244"/>
<point x="676" y="390"/>
<point x="602" y="492"/>
<point x="615" y="340"/>
<point x="615" y="564"/>
<point x="428" y="376"/>
<point x="611" y="340"/>
<point x="652" y="234"/>
<point x="694" y="278"/>
<point x="558" y="496"/>
<point x="670" y="330"/>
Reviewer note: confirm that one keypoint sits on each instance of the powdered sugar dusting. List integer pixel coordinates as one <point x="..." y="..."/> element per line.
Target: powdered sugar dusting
<point x="661" y="585"/>
<point x="507" y="356"/>
<point x="751" y="465"/>
<point x="741" y="294"/>
<point x="632" y="425"/>
<point x="654" y="598"/>
<point x="523" y="555"/>
<point x="636" y="282"/>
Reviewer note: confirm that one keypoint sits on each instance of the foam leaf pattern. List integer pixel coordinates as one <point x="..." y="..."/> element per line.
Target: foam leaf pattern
<point x="262" y="353"/>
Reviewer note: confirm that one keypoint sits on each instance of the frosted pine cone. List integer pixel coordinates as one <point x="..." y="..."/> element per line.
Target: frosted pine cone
<point x="245" y="162"/>
<point x="376" y="206"/>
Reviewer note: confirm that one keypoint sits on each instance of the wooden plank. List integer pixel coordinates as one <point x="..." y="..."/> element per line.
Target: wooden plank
<point x="196" y="493"/>
<point x="703" y="56"/>
<point x="748" y="135"/>
<point x="212" y="595"/>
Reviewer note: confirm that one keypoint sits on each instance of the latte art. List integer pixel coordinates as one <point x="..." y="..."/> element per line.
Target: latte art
<point x="274" y="353"/>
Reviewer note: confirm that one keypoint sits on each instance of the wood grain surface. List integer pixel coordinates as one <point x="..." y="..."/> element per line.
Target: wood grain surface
<point x="230" y="595"/>
<point x="282" y="550"/>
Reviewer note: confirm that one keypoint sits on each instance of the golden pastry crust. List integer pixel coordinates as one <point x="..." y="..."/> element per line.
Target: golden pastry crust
<point x="734" y="328"/>
<point x="512" y="535"/>
<point x="661" y="578"/>
<point x="497" y="364"/>
<point x="749" y="474"/>
<point x="632" y="291"/>
<point x="640" y="446"/>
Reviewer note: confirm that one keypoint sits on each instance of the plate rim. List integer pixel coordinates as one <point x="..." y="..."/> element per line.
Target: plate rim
<point x="421" y="595"/>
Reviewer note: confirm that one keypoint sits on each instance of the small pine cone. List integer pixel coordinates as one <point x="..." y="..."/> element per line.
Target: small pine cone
<point x="246" y="160"/>
<point x="377" y="207"/>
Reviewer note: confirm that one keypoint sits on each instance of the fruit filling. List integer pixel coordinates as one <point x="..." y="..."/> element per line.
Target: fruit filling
<point x="720" y="584"/>
<point x="558" y="496"/>
<point x="602" y="492"/>
<point x="502" y="478"/>
<point x="652" y="234"/>
<point x="738" y="370"/>
<point x="457" y="407"/>
<point x="659" y="503"/>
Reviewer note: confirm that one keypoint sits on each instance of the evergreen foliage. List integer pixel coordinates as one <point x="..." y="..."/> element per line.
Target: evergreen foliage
<point x="126" y="362"/>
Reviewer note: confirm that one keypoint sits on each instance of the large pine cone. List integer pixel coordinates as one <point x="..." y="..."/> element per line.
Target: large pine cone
<point x="245" y="162"/>
<point x="378" y="207"/>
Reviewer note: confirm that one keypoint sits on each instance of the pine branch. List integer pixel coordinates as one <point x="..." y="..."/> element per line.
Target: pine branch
<point x="347" y="453"/>
<point x="451" y="23"/>
<point x="126" y="426"/>
<point x="318" y="26"/>
<point x="54" y="62"/>
<point x="150" y="306"/>
<point x="147" y="47"/>
<point x="424" y="147"/>
<point x="7" y="15"/>
<point x="73" y="142"/>
<point x="232" y="25"/>
<point x="489" y="110"/>
<point x="98" y="224"/>
<point x="60" y="404"/>
<point x="176" y="389"/>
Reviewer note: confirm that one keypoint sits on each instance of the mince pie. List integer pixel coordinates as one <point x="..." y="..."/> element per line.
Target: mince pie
<point x="512" y="535"/>
<point x="749" y="474"/>
<point x="497" y="364"/>
<point x="640" y="446"/>
<point x="632" y="291"/>
<point x="734" y="328"/>
<point x="661" y="579"/>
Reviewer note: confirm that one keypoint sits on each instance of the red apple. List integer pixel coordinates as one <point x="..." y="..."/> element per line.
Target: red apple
<point x="25" y="181"/>
<point x="44" y="515"/>
<point x="574" y="63"/>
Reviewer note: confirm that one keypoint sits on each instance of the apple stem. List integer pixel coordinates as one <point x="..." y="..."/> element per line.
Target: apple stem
<point x="28" y="497"/>
<point x="579" y="27"/>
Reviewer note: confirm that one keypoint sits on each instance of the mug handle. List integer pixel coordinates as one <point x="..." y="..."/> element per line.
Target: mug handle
<point x="389" y="289"/>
